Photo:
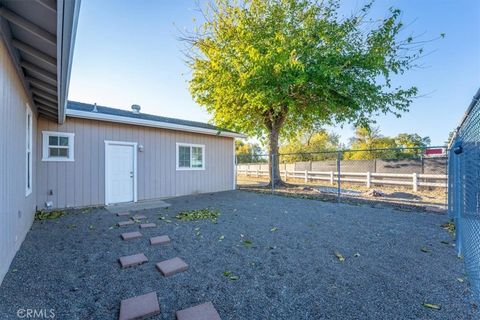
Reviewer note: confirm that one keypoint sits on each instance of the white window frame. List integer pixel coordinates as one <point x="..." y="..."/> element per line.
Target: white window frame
<point x="28" y="151"/>
<point x="71" y="144"/>
<point x="182" y="144"/>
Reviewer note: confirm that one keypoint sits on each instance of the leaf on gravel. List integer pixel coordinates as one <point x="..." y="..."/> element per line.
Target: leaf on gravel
<point x="247" y="243"/>
<point x="234" y="278"/>
<point x="221" y="238"/>
<point x="71" y="226"/>
<point x="444" y="242"/>
<point x="461" y="280"/>
<point x="431" y="306"/>
<point x="274" y="229"/>
<point x="91" y="227"/>
<point x="339" y="256"/>
<point x="424" y="249"/>
<point x="14" y="270"/>
<point x="356" y="255"/>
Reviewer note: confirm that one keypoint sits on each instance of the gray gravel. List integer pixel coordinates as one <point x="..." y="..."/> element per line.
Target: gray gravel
<point x="70" y="264"/>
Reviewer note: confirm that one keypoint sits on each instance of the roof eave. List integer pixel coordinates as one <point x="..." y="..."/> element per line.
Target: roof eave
<point x="67" y="20"/>
<point x="150" y="123"/>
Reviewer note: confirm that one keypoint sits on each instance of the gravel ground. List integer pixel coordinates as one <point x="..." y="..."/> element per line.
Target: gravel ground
<point x="289" y="272"/>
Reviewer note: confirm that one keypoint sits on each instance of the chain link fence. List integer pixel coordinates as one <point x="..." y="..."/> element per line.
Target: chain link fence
<point x="464" y="191"/>
<point x="400" y="175"/>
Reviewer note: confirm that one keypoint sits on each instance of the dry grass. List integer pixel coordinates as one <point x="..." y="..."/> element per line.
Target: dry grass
<point x="425" y="197"/>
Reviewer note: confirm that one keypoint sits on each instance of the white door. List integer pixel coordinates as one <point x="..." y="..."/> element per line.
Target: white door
<point x="120" y="172"/>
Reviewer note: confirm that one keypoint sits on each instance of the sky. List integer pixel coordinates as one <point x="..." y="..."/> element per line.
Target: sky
<point x="129" y="52"/>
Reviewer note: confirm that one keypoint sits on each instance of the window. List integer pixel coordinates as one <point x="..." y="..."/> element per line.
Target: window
<point x="57" y="146"/>
<point x="190" y="156"/>
<point x="28" y="151"/>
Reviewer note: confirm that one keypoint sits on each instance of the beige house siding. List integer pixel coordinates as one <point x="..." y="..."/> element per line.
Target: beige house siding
<point x="82" y="182"/>
<point x="16" y="209"/>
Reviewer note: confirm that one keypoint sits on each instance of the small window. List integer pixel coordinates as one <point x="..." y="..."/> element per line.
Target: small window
<point x="57" y="146"/>
<point x="28" y="151"/>
<point x="190" y="156"/>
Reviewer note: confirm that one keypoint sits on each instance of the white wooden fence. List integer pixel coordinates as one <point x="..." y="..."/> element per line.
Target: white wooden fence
<point x="414" y="180"/>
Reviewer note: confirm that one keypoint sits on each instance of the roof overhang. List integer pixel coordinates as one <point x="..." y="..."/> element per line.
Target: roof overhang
<point x="150" y="123"/>
<point x="40" y="37"/>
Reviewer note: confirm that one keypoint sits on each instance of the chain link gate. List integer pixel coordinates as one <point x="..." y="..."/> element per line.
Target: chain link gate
<point x="464" y="191"/>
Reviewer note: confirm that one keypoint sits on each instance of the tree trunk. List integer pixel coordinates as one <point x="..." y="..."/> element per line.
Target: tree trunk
<point x="274" y="168"/>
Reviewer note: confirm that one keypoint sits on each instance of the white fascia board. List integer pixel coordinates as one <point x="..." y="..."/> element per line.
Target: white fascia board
<point x="149" y="123"/>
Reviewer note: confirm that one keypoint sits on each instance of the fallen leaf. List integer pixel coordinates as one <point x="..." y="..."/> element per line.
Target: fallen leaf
<point x="274" y="229"/>
<point x="339" y="256"/>
<point x="431" y="306"/>
<point x="221" y="238"/>
<point x="14" y="270"/>
<point x="356" y="254"/>
<point x="247" y="243"/>
<point x="460" y="280"/>
<point x="424" y="249"/>
<point x="444" y="242"/>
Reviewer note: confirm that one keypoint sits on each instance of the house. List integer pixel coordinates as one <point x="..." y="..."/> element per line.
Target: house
<point x="58" y="154"/>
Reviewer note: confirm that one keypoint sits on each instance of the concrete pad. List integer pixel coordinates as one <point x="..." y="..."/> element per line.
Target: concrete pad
<point x="147" y="225"/>
<point x="125" y="223"/>
<point x="125" y="213"/>
<point x="139" y="217"/>
<point x="160" y="240"/>
<point x="172" y="266"/>
<point x="204" y="311"/>
<point x="136" y="206"/>
<point x="131" y="235"/>
<point x="139" y="307"/>
<point x="133" y="260"/>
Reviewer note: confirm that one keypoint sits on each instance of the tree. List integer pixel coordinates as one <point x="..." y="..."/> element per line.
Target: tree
<point x="248" y="152"/>
<point x="271" y="68"/>
<point x="368" y="138"/>
<point x="404" y="145"/>
<point x="310" y="146"/>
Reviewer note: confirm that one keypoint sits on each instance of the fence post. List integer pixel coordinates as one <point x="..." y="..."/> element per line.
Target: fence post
<point x="306" y="176"/>
<point x="339" y="156"/>
<point x="369" y="179"/>
<point x="331" y="178"/>
<point x="272" y="164"/>
<point x="415" y="181"/>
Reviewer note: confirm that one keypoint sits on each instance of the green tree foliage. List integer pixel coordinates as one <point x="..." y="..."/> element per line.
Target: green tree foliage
<point x="273" y="67"/>
<point x="249" y="152"/>
<point x="368" y="138"/>
<point x="310" y="146"/>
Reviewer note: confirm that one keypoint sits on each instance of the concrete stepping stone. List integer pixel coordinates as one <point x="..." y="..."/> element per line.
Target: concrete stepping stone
<point x="131" y="235"/>
<point x="160" y="240"/>
<point x="133" y="260"/>
<point x="204" y="311"/>
<point x="125" y="223"/>
<point x="120" y="214"/>
<point x="139" y="217"/>
<point x="147" y="225"/>
<point x="139" y="307"/>
<point x="172" y="266"/>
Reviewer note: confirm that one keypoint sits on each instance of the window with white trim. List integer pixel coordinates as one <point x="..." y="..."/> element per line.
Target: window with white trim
<point x="28" y="150"/>
<point x="57" y="146"/>
<point x="190" y="156"/>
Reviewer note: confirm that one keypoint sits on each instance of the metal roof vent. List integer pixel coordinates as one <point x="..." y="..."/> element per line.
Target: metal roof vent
<point x="135" y="108"/>
<point x="95" y="107"/>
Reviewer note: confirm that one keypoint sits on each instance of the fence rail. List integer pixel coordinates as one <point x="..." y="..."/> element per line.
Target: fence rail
<point x="414" y="180"/>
